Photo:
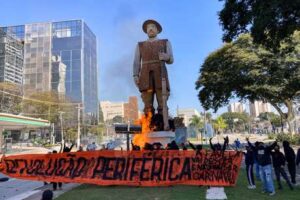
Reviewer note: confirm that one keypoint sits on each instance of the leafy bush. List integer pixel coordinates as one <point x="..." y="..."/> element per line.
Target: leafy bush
<point x="292" y="139"/>
<point x="272" y="136"/>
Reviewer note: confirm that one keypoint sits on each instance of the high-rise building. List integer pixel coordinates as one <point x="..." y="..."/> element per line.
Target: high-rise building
<point x="236" y="107"/>
<point x="75" y="44"/>
<point x="258" y="107"/>
<point x="11" y="59"/>
<point x="187" y="114"/>
<point x="131" y="109"/>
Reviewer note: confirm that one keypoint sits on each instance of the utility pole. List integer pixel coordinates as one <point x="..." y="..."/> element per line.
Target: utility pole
<point x="52" y="140"/>
<point x="205" y="127"/>
<point x="78" y="125"/>
<point x="61" y="126"/>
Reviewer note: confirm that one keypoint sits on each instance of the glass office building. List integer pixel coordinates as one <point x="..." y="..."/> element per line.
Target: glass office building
<point x="75" y="44"/>
<point x="11" y="59"/>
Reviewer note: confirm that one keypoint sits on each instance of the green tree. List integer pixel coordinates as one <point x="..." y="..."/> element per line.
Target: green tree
<point x="208" y="116"/>
<point x="117" y="119"/>
<point x="47" y="105"/>
<point x="236" y="120"/>
<point x="219" y="124"/>
<point x="245" y="70"/>
<point x="97" y="131"/>
<point x="269" y="22"/>
<point x="71" y="134"/>
<point x="101" y="117"/>
<point x="272" y="117"/>
<point x="10" y="98"/>
<point x="197" y="123"/>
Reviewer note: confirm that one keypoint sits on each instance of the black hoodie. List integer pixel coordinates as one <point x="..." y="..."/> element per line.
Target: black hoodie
<point x="263" y="153"/>
<point x="289" y="152"/>
<point x="278" y="159"/>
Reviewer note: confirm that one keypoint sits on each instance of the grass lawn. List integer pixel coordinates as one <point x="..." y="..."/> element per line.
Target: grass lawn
<point x="240" y="192"/>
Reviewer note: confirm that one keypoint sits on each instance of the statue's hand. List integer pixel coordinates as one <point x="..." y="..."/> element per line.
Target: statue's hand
<point x="136" y="80"/>
<point x="163" y="56"/>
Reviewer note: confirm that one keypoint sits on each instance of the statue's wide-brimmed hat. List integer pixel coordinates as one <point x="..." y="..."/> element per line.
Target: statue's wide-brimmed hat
<point x="151" y="21"/>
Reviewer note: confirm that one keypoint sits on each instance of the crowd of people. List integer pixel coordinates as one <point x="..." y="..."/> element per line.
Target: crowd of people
<point x="262" y="156"/>
<point x="259" y="157"/>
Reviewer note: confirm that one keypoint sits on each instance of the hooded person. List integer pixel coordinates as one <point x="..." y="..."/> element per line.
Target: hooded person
<point x="249" y="161"/>
<point x="265" y="167"/>
<point x="290" y="159"/>
<point x="278" y="164"/>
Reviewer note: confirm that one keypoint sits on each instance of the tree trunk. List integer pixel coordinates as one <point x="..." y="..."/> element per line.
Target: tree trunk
<point x="290" y="115"/>
<point x="287" y="117"/>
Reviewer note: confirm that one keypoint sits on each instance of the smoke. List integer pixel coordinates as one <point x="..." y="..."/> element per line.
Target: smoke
<point x="117" y="76"/>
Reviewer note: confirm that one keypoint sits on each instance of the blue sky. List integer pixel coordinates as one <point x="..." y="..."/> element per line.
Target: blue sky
<point x="192" y="27"/>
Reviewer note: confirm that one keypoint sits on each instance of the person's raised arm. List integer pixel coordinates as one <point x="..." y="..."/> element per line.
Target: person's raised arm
<point x="71" y="147"/>
<point x="211" y="145"/>
<point x="250" y="144"/>
<point x="192" y="145"/>
<point x="226" y="141"/>
<point x="272" y="146"/>
<point x="61" y="148"/>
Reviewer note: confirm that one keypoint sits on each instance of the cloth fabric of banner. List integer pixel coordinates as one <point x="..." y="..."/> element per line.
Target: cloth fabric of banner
<point x="135" y="168"/>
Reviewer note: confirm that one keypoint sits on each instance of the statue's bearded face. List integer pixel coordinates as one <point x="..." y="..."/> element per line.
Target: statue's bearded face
<point x="152" y="30"/>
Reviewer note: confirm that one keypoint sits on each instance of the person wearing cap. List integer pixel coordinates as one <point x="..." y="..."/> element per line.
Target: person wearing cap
<point x="149" y="62"/>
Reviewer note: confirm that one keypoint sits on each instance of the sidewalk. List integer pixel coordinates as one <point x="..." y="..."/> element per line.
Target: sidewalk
<point x="37" y="195"/>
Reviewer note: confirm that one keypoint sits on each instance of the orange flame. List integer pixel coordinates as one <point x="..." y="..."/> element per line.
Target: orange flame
<point x="141" y="139"/>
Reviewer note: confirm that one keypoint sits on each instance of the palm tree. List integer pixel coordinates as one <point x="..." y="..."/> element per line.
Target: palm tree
<point x="196" y="122"/>
<point x="220" y="124"/>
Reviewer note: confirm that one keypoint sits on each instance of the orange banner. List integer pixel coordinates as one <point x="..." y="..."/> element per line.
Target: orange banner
<point x="136" y="168"/>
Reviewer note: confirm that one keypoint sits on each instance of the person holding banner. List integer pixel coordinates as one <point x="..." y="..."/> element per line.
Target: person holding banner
<point x="54" y="184"/>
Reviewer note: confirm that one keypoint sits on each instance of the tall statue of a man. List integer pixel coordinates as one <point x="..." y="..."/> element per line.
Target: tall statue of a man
<point x="149" y="70"/>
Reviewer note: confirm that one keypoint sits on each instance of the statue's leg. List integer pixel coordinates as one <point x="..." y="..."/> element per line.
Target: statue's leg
<point x="160" y="101"/>
<point x="147" y="97"/>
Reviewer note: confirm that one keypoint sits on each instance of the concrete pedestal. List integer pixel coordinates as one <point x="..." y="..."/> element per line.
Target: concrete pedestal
<point x="164" y="137"/>
<point x="216" y="193"/>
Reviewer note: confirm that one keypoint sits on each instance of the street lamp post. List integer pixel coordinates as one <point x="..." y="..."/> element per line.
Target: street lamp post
<point x="78" y="125"/>
<point x="61" y="126"/>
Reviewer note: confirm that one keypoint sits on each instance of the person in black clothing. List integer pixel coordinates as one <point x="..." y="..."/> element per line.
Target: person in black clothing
<point x="264" y="162"/>
<point x="298" y="157"/>
<point x="54" y="184"/>
<point x="291" y="160"/>
<point x="172" y="146"/>
<point x="249" y="161"/>
<point x="278" y="164"/>
<point x="183" y="146"/>
<point x="218" y="147"/>
<point x="47" y="195"/>
<point x="197" y="147"/>
<point x="135" y="147"/>
<point x="64" y="148"/>
<point x="148" y="146"/>
<point x="256" y="165"/>
<point x="157" y="146"/>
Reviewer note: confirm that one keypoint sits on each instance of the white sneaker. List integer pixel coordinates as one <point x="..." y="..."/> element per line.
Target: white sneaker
<point x="272" y="193"/>
<point x="251" y="187"/>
